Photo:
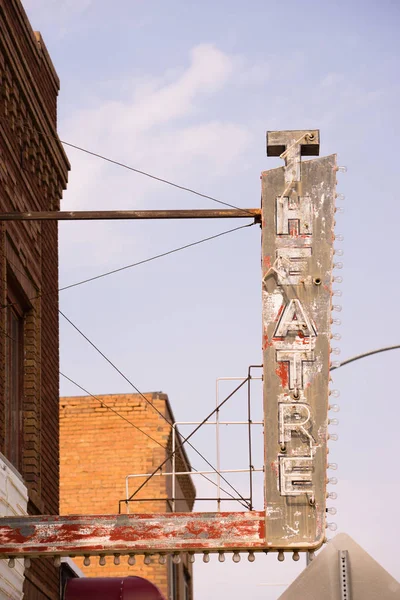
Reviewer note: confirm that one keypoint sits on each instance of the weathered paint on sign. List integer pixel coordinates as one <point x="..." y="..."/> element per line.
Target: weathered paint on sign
<point x="297" y="247"/>
<point x="140" y="533"/>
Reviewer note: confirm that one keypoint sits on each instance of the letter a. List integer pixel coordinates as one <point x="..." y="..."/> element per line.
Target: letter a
<point x="295" y="319"/>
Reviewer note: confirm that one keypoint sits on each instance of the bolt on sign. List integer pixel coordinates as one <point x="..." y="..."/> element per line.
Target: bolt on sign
<point x="298" y="204"/>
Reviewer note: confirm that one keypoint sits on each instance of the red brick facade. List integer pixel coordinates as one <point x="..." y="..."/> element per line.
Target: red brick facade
<point x="98" y="449"/>
<point x="33" y="173"/>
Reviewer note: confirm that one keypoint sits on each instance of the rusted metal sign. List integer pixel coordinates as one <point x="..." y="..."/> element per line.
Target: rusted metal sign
<point x="297" y="249"/>
<point x="140" y="533"/>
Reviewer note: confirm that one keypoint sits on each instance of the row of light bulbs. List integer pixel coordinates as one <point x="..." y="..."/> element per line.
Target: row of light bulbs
<point x="335" y="336"/>
<point x="162" y="558"/>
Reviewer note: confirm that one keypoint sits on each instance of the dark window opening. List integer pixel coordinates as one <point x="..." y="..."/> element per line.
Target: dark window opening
<point x="14" y="371"/>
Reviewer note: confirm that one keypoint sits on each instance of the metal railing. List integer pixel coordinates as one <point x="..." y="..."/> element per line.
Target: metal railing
<point x="218" y="471"/>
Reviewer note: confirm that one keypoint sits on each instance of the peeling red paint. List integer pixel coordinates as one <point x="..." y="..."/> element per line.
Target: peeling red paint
<point x="267" y="262"/>
<point x="282" y="370"/>
<point x="169" y="532"/>
<point x="266" y="342"/>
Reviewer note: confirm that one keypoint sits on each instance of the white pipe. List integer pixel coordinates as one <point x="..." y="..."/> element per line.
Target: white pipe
<point x="193" y="473"/>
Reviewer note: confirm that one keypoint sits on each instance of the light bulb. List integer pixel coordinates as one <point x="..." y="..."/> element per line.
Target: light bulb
<point x="333" y="436"/>
<point x="117" y="559"/>
<point x="332" y="510"/>
<point x="335" y="351"/>
<point x="337" y="307"/>
<point x="335" y="364"/>
<point x="86" y="561"/>
<point x="296" y="556"/>
<point x="340" y="210"/>
<point x="337" y="293"/>
<point x="332" y="481"/>
<point x="176" y="559"/>
<point x="337" y="279"/>
<point x="336" y="322"/>
<point x="334" y="393"/>
<point x="251" y="557"/>
<point x="338" y="252"/>
<point x="131" y="560"/>
<point x="162" y="559"/>
<point x="147" y="559"/>
<point x="331" y="526"/>
<point x="334" y="407"/>
<point x="281" y="556"/>
<point x="221" y="556"/>
<point x="339" y="237"/>
<point x="236" y="557"/>
<point x="338" y="265"/>
<point x="102" y="560"/>
<point x="332" y="495"/>
<point x="11" y="562"/>
<point x="57" y="561"/>
<point x="333" y="422"/>
<point x="191" y="557"/>
<point x="206" y="557"/>
<point x="342" y="169"/>
<point x="340" y="196"/>
<point x="332" y="466"/>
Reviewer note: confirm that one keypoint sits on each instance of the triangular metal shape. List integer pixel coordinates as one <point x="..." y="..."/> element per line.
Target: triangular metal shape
<point x="323" y="578"/>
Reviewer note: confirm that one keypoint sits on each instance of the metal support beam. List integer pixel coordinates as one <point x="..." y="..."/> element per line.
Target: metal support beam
<point x="79" y="535"/>
<point x="96" y="215"/>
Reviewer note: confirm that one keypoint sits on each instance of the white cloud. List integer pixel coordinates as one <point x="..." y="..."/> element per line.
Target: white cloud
<point x="155" y="101"/>
<point x="159" y="127"/>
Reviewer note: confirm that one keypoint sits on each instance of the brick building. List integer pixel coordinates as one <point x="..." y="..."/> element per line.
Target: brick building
<point x="33" y="173"/>
<point x="99" y="446"/>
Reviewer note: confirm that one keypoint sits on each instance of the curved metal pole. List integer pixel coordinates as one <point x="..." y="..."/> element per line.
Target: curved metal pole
<point x="364" y="355"/>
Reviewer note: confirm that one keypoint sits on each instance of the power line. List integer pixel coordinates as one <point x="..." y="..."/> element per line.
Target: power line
<point x="112" y="410"/>
<point x="130" y="266"/>
<point x="130" y="382"/>
<point x="125" y="166"/>
<point x="147" y="260"/>
<point x="6" y="334"/>
<point x="146" y="399"/>
<point x="112" y="364"/>
<point x="118" y="414"/>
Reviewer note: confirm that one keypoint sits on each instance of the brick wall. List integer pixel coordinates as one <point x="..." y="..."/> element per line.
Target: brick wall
<point x="99" y="449"/>
<point x="33" y="173"/>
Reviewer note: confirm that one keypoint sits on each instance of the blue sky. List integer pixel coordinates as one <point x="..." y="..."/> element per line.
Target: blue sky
<point x="187" y="90"/>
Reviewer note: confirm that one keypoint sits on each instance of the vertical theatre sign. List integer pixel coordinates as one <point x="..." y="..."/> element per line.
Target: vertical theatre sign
<point x="298" y="205"/>
<point x="297" y="250"/>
